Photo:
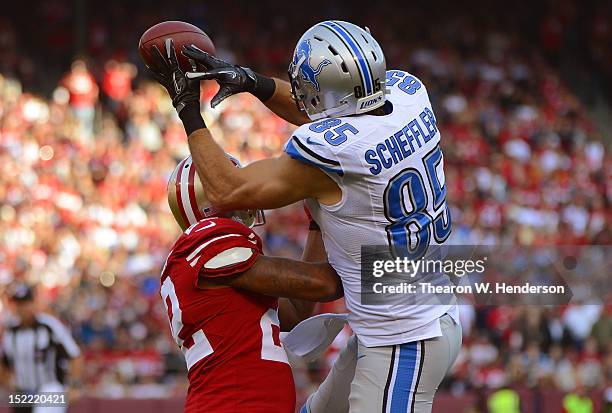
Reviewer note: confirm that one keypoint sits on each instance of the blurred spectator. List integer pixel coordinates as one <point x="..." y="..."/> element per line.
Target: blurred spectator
<point x="83" y="91"/>
<point x="117" y="82"/>
<point x="117" y="87"/>
<point x="602" y="330"/>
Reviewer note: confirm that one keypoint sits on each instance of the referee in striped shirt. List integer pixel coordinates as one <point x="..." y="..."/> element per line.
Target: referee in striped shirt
<point x="38" y="352"/>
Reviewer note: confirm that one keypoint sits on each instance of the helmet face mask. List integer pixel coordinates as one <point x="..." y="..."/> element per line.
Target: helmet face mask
<point x="189" y="204"/>
<point x="250" y="217"/>
<point x="296" y="91"/>
<point x="338" y="69"/>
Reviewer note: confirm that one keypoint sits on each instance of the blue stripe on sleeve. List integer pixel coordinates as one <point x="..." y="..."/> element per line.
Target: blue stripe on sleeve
<point x="293" y="152"/>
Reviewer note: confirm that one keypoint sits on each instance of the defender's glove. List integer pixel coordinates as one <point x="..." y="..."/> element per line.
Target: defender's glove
<point x="232" y="79"/>
<point x="184" y="92"/>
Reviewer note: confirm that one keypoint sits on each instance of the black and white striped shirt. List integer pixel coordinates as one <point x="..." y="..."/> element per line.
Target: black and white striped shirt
<point x="38" y="354"/>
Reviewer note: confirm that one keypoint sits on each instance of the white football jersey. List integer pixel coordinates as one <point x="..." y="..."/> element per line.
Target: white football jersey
<point x="390" y="171"/>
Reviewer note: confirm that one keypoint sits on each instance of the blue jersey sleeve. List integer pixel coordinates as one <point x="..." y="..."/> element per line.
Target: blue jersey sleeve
<point x="312" y="148"/>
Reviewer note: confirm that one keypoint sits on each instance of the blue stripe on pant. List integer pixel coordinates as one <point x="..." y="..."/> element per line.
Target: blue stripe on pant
<point x="404" y="376"/>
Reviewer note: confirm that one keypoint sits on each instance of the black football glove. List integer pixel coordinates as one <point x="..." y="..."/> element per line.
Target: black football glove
<point x="183" y="91"/>
<point x="232" y="79"/>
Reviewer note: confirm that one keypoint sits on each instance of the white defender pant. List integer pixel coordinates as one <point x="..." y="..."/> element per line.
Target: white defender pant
<point x="390" y="379"/>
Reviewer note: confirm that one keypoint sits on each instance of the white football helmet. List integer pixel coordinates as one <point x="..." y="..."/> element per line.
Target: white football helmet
<point x="188" y="201"/>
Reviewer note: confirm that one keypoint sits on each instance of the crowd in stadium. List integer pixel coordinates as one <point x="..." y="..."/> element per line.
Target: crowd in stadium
<point x="83" y="211"/>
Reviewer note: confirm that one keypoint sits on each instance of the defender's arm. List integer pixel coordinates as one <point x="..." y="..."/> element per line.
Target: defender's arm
<point x="283" y="277"/>
<point x="292" y="311"/>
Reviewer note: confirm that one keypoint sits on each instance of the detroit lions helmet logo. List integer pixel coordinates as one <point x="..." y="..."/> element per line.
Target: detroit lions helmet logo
<point x="309" y="73"/>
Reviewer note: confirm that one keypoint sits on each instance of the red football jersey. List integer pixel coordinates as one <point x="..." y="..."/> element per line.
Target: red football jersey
<point x="229" y="337"/>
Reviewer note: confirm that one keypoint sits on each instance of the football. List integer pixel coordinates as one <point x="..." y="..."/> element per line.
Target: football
<point x="181" y="33"/>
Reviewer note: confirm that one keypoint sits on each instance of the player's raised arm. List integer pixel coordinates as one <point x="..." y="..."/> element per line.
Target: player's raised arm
<point x="272" y="92"/>
<point x="269" y="183"/>
<point x="185" y="93"/>
<point x="283" y="104"/>
<point x="265" y="184"/>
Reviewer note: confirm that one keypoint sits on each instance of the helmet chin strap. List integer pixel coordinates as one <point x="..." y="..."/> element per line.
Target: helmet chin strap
<point x="335" y="111"/>
<point x="330" y="112"/>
